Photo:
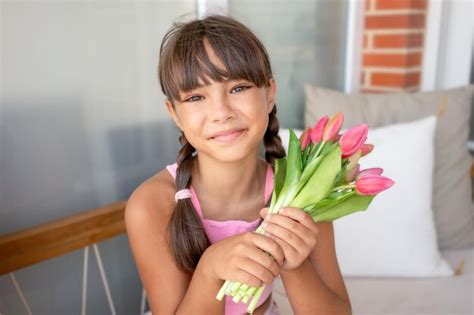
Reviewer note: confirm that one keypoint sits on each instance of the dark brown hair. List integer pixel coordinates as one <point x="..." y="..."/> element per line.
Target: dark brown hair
<point x="183" y="62"/>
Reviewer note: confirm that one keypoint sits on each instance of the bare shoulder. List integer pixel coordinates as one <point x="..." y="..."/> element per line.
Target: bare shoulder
<point x="153" y="198"/>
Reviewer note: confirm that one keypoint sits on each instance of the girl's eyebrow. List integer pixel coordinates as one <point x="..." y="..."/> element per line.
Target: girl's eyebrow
<point x="206" y="85"/>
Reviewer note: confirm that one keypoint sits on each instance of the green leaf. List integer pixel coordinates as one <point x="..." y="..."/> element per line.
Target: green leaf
<point x="280" y="173"/>
<point x="333" y="198"/>
<point x="293" y="162"/>
<point x="341" y="176"/>
<point x="347" y="206"/>
<point x="321" y="182"/>
<point x="328" y="147"/>
<point x="309" y="170"/>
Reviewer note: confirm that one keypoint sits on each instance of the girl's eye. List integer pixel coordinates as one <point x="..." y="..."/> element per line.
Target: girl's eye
<point x="241" y="88"/>
<point x="193" y="98"/>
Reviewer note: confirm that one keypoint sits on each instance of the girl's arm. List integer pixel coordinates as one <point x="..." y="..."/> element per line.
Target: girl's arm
<point x="317" y="286"/>
<point x="169" y="290"/>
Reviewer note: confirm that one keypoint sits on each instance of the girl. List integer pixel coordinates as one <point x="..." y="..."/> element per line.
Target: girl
<point x="190" y="226"/>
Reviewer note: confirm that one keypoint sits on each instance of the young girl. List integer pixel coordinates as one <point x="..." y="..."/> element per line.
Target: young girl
<point x="190" y="226"/>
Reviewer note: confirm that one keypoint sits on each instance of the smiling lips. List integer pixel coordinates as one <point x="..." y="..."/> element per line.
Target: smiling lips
<point x="228" y="135"/>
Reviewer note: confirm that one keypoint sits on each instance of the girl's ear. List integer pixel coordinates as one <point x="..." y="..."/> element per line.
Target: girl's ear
<point x="271" y="91"/>
<point x="169" y="107"/>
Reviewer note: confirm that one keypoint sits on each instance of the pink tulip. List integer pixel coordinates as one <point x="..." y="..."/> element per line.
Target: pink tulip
<point x="372" y="184"/>
<point x="305" y="138"/>
<point x="317" y="132"/>
<point x="353" y="139"/>
<point x="333" y="126"/>
<point x="352" y="173"/>
<point x="366" y="148"/>
<point x="370" y="171"/>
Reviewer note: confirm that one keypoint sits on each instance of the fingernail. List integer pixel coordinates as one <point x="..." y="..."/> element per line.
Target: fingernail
<point x="268" y="216"/>
<point x="267" y="234"/>
<point x="264" y="224"/>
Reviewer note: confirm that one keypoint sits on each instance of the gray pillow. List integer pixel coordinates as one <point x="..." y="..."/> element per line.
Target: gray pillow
<point x="452" y="205"/>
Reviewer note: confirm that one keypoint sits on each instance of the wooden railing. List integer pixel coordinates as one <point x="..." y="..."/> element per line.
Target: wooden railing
<point x="56" y="238"/>
<point x="33" y="245"/>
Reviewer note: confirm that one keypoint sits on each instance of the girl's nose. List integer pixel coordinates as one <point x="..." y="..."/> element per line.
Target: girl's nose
<point x="222" y="109"/>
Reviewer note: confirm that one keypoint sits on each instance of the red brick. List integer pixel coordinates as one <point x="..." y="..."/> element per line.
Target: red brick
<point x="395" y="21"/>
<point x="395" y="79"/>
<point x="397" y="40"/>
<point x="399" y="4"/>
<point x="367" y="5"/>
<point x="366" y="40"/>
<point x="403" y="60"/>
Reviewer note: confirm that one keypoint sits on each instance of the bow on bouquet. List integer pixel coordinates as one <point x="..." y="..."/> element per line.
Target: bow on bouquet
<point x="320" y="175"/>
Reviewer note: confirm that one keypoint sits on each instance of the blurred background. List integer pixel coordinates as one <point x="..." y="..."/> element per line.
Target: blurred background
<point x="83" y="120"/>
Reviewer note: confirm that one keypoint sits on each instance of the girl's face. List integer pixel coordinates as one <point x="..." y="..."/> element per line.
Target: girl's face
<point x="220" y="106"/>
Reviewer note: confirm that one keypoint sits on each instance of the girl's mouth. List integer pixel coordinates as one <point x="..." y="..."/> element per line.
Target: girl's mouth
<point x="229" y="137"/>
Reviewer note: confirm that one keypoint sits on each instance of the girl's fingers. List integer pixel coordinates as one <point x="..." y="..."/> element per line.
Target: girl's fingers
<point x="257" y="270"/>
<point x="289" y="250"/>
<point x="264" y="259"/>
<point x="300" y="216"/>
<point x="247" y="278"/>
<point x="291" y="226"/>
<point x="286" y="235"/>
<point x="268" y="245"/>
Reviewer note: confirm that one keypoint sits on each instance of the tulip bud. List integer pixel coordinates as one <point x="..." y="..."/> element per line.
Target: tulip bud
<point x="353" y="159"/>
<point x="370" y="171"/>
<point x="366" y="148"/>
<point x="305" y="138"/>
<point x="317" y="132"/>
<point x="352" y="173"/>
<point x="353" y="139"/>
<point x="372" y="184"/>
<point x="333" y="126"/>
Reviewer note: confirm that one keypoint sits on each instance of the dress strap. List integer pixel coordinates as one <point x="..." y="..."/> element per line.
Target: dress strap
<point x="269" y="184"/>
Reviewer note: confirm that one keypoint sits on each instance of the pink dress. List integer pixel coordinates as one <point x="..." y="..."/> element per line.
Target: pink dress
<point x="218" y="230"/>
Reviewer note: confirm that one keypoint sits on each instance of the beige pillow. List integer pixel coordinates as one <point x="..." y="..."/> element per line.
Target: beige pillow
<point x="452" y="205"/>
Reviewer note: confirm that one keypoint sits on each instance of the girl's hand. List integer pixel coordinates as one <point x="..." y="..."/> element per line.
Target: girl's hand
<point x="242" y="258"/>
<point x="295" y="231"/>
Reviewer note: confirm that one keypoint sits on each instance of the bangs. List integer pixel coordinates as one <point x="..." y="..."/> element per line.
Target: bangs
<point x="185" y="64"/>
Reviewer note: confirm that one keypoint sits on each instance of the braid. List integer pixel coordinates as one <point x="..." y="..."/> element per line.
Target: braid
<point x="188" y="237"/>
<point x="272" y="141"/>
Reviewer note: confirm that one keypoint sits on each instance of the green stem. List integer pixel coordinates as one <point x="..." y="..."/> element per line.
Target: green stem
<point x="249" y="294"/>
<point x="255" y="299"/>
<point x="342" y="187"/>
<point x="320" y="148"/>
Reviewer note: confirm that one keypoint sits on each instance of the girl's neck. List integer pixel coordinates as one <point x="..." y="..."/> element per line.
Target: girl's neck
<point x="225" y="184"/>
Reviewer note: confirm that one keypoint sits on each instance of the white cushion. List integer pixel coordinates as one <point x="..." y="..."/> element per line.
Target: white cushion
<point x="396" y="235"/>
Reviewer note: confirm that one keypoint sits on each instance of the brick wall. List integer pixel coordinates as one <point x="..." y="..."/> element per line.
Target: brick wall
<point x="394" y="32"/>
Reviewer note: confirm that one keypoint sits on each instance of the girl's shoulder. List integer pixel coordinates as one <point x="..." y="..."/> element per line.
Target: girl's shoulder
<point x="154" y="196"/>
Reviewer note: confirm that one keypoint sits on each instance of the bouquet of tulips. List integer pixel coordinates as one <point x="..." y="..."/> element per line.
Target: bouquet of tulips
<point x="322" y="176"/>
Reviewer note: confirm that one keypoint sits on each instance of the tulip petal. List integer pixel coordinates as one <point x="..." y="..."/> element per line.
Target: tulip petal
<point x="372" y="184"/>
<point x="370" y="171"/>
<point x="353" y="139"/>
<point x="305" y="138"/>
<point x="352" y="173"/>
<point x="333" y="127"/>
<point x="366" y="148"/>
<point x="317" y="132"/>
